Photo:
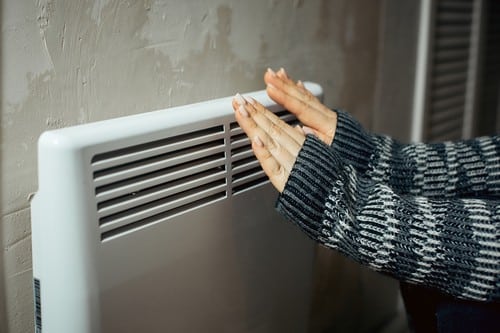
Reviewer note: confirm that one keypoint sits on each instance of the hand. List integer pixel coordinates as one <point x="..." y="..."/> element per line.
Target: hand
<point x="275" y="143"/>
<point x="317" y="118"/>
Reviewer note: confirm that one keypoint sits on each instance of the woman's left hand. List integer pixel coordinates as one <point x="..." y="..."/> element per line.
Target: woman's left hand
<point x="275" y="143"/>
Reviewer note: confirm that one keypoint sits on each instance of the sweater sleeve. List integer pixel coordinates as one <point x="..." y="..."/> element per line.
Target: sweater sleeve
<point x="451" y="244"/>
<point x="467" y="168"/>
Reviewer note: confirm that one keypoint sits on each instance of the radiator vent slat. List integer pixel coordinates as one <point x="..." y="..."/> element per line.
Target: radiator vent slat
<point x="158" y="206"/>
<point x="248" y="175"/>
<point x="132" y="199"/>
<point x="157" y="147"/>
<point x="242" y="152"/>
<point x="161" y="217"/>
<point x="244" y="162"/>
<point x="250" y="183"/>
<point x="240" y="142"/>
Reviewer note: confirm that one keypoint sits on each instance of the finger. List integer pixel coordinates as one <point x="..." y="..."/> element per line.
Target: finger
<point x="280" y="134"/>
<point x="277" y="142"/>
<point x="283" y="74"/>
<point x="266" y="119"/>
<point x="301" y="102"/>
<point x="274" y="170"/>
<point x="282" y="81"/>
<point x="237" y="100"/>
<point x="275" y="161"/>
<point x="302" y="87"/>
<point x="324" y="124"/>
<point x="298" y="136"/>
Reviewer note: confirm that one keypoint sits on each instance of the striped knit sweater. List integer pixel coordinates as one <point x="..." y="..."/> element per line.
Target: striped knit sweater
<point x="423" y="213"/>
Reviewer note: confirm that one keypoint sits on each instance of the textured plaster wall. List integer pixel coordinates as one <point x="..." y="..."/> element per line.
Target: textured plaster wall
<point x="76" y="61"/>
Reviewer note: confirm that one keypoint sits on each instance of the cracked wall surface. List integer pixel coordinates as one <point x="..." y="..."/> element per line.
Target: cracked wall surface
<point x="71" y="62"/>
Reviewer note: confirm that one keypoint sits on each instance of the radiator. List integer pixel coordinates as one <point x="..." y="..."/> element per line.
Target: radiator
<point x="164" y="222"/>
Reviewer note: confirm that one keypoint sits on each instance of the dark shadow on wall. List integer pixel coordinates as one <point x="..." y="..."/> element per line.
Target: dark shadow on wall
<point x="488" y="106"/>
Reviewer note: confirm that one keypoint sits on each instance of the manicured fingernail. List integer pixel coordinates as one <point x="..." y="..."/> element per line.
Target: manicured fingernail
<point x="258" y="141"/>
<point x="239" y="99"/>
<point x="282" y="72"/>
<point x="251" y="100"/>
<point x="308" y="130"/>
<point x="270" y="71"/>
<point x="243" y="111"/>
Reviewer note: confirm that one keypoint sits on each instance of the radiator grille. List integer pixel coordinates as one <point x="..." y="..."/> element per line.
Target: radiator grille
<point x="150" y="182"/>
<point x="154" y="181"/>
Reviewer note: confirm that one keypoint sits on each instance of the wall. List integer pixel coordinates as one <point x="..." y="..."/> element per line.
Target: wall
<point x="396" y="68"/>
<point x="71" y="62"/>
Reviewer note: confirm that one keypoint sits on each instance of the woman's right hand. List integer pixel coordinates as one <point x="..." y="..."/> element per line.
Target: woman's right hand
<point x="314" y="115"/>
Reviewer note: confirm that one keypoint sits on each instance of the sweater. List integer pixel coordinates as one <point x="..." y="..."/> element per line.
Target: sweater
<point x="423" y="213"/>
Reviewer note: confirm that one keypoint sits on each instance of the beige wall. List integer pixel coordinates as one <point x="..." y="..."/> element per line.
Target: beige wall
<point x="70" y="62"/>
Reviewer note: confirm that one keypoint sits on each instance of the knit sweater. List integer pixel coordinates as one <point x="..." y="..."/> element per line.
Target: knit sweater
<point x="422" y="213"/>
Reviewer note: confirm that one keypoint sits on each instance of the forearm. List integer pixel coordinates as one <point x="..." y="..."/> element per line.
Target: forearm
<point x="451" y="169"/>
<point x="449" y="244"/>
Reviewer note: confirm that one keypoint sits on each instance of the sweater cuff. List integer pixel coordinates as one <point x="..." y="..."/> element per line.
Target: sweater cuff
<point x="351" y="142"/>
<point x="303" y="198"/>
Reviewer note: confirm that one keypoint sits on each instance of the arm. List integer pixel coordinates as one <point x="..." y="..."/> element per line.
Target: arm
<point x="451" y="244"/>
<point x="459" y="169"/>
<point x="450" y="169"/>
<point x="448" y="244"/>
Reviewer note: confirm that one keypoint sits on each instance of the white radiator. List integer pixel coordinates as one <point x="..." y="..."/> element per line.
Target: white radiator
<point x="164" y="222"/>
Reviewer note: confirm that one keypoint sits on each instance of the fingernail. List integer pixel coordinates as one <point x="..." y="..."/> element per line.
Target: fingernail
<point x="283" y="72"/>
<point x="239" y="99"/>
<point x="308" y="130"/>
<point x="258" y="141"/>
<point x="250" y="100"/>
<point x="300" y="83"/>
<point x="270" y="71"/>
<point x="269" y="85"/>
<point x="242" y="111"/>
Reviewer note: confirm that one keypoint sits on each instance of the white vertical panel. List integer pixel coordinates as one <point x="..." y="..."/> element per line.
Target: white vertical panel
<point x="421" y="69"/>
<point x="474" y="68"/>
